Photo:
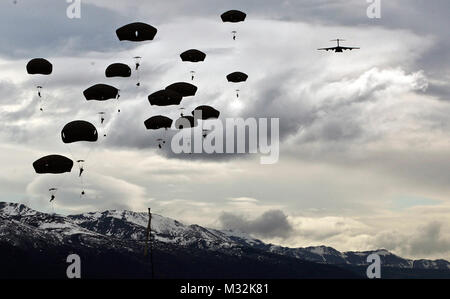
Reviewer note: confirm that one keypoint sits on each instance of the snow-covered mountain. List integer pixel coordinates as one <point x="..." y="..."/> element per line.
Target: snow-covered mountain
<point x="124" y="232"/>
<point x="132" y="225"/>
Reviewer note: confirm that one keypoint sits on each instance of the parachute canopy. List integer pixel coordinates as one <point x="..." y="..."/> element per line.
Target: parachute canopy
<point x="136" y="32"/>
<point x="207" y="112"/>
<point x="53" y="164"/>
<point x="186" y="122"/>
<point x="165" y="98"/>
<point x="237" y="77"/>
<point x="183" y="88"/>
<point x="193" y="56"/>
<point x="101" y="92"/>
<point x="79" y="130"/>
<point x="118" y="70"/>
<point x="158" y="122"/>
<point x="39" y="66"/>
<point x="233" y="16"/>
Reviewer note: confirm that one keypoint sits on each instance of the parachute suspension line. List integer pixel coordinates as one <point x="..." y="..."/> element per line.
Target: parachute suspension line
<point x="138" y="84"/>
<point x="52" y="197"/>
<point x="82" y="169"/>
<point x="137" y="61"/>
<point x="118" y="103"/>
<point x="148" y="241"/>
<point x="53" y="208"/>
<point x="81" y="166"/>
<point x="162" y="141"/>
<point x="83" y="189"/>
<point x="102" y="119"/>
<point x="41" y="101"/>
<point x="108" y="115"/>
<point x="40" y="93"/>
<point x="52" y="192"/>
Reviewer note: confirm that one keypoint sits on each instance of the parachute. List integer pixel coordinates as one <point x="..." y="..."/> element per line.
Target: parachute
<point x="193" y="56"/>
<point x="237" y="77"/>
<point x="79" y="130"/>
<point x="165" y="98"/>
<point x="186" y="122"/>
<point x="183" y="88"/>
<point x="101" y="92"/>
<point x="207" y="112"/>
<point x="53" y="164"/>
<point x="136" y="32"/>
<point x="118" y="70"/>
<point x="233" y="16"/>
<point x="158" y="122"/>
<point x="39" y="67"/>
<point x="137" y="63"/>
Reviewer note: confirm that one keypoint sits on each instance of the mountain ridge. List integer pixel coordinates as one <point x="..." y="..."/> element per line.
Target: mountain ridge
<point x="124" y="232"/>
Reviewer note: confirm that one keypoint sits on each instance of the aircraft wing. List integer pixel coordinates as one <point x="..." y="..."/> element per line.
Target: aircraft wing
<point x="327" y="49"/>
<point x="350" y="48"/>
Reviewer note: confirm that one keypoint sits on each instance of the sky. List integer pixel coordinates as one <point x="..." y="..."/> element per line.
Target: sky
<point x="364" y="135"/>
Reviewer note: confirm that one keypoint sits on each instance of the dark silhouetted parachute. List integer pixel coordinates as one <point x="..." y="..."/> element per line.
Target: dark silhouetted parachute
<point x="79" y="130"/>
<point x="53" y="164"/>
<point x="183" y="88"/>
<point x="165" y="98"/>
<point x="158" y="122"/>
<point x="186" y="122"/>
<point x="237" y="77"/>
<point x="193" y="56"/>
<point x="39" y="66"/>
<point x="118" y="70"/>
<point x="101" y="92"/>
<point x="136" y="32"/>
<point x="207" y="112"/>
<point x="233" y="16"/>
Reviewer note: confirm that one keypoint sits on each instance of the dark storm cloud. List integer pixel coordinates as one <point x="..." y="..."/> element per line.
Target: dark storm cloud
<point x="427" y="240"/>
<point x="441" y="91"/>
<point x="42" y="28"/>
<point x="271" y="224"/>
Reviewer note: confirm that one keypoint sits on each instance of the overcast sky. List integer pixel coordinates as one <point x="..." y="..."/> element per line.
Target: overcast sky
<point x="364" y="135"/>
